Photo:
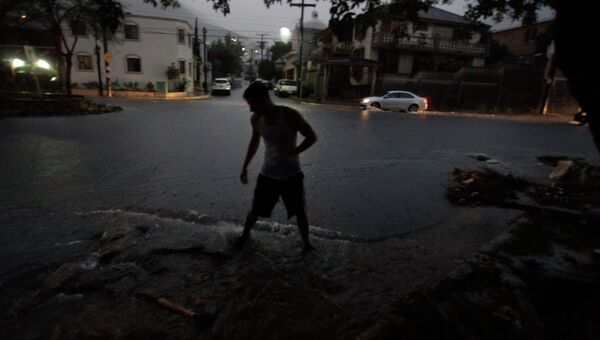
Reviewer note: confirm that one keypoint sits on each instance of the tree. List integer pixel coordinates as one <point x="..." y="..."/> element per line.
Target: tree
<point x="280" y="49"/>
<point x="266" y="69"/>
<point x="60" y="15"/>
<point x="104" y="17"/>
<point x="225" y="55"/>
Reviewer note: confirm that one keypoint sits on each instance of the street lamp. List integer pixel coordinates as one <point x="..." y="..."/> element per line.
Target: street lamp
<point x="284" y="33"/>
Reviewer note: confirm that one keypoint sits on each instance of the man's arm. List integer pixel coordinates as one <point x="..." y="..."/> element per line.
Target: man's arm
<point x="305" y="130"/>
<point x="252" y="148"/>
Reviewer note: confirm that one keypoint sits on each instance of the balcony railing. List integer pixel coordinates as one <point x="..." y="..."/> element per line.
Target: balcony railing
<point x="343" y="47"/>
<point x="430" y="43"/>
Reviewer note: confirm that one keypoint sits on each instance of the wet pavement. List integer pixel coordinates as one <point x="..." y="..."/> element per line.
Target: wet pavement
<point x="375" y="185"/>
<point x="371" y="173"/>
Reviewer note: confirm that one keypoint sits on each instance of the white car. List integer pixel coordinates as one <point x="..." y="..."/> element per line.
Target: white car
<point x="286" y="87"/>
<point x="221" y="85"/>
<point x="397" y="100"/>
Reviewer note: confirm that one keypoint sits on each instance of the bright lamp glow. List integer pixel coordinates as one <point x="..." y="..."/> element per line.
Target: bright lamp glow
<point x="17" y="63"/>
<point x="42" y="64"/>
<point x="284" y="32"/>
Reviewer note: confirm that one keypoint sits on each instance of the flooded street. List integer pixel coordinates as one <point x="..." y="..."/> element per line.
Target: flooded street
<point x="143" y="204"/>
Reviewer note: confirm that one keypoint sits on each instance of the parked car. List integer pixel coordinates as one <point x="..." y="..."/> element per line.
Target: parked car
<point x="267" y="83"/>
<point x="221" y="85"/>
<point x="397" y="100"/>
<point x="580" y="117"/>
<point x="286" y="87"/>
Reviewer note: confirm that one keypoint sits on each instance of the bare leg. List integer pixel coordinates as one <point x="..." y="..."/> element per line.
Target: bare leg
<point x="251" y="218"/>
<point x="302" y="221"/>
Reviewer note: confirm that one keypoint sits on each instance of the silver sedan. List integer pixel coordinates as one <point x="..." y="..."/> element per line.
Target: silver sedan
<point x="397" y="100"/>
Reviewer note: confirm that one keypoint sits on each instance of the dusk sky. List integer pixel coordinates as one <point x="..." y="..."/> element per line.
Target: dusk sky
<point x="251" y="17"/>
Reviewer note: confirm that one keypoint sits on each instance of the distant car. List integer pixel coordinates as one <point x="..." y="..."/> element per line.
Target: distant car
<point x="580" y="117"/>
<point x="221" y="85"/>
<point x="397" y="100"/>
<point x="286" y="87"/>
<point x="266" y="83"/>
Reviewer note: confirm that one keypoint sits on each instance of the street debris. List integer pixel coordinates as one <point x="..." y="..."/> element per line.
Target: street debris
<point x="561" y="169"/>
<point x="479" y="156"/>
<point x="575" y="185"/>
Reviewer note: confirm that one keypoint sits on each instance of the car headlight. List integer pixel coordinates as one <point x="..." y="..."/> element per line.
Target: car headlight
<point x="364" y="101"/>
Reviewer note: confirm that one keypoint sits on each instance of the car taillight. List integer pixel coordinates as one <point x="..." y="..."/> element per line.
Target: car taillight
<point x="426" y="100"/>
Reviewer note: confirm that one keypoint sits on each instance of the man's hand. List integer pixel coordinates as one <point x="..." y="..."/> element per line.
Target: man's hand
<point x="244" y="176"/>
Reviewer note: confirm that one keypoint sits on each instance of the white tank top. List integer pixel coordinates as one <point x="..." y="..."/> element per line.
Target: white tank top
<point x="280" y="140"/>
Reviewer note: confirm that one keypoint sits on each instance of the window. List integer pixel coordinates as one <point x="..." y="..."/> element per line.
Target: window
<point x="78" y="27"/>
<point x="405" y="95"/>
<point x="182" y="67"/>
<point x="84" y="62"/>
<point x="181" y="35"/>
<point x="132" y="31"/>
<point x="134" y="64"/>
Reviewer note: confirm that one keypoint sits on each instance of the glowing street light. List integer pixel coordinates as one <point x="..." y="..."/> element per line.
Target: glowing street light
<point x="284" y="32"/>
<point x="42" y="64"/>
<point x="16" y="63"/>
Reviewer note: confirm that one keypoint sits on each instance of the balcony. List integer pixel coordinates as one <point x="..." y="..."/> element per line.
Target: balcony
<point x="432" y="44"/>
<point x="343" y="48"/>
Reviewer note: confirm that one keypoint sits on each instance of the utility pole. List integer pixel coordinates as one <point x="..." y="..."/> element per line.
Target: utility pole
<point x="301" y="5"/>
<point x="261" y="43"/>
<point x="196" y="55"/>
<point x="205" y="68"/>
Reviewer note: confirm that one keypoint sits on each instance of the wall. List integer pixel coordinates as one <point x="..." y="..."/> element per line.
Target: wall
<point x="514" y="39"/>
<point x="157" y="47"/>
<point x="511" y="87"/>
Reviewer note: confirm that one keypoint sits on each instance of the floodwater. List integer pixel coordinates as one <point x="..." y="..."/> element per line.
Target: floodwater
<point x="165" y="176"/>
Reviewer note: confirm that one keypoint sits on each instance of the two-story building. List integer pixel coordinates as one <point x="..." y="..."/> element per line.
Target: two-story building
<point x="362" y="59"/>
<point x="151" y="40"/>
<point x="311" y="29"/>
<point x="525" y="41"/>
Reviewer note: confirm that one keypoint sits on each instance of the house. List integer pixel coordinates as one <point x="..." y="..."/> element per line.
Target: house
<point x="366" y="58"/>
<point x="311" y="29"/>
<point x="149" y="42"/>
<point x="527" y="40"/>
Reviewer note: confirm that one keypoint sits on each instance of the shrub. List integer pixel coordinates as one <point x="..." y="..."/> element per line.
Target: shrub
<point x="149" y="87"/>
<point x="131" y="85"/>
<point x="90" y="85"/>
<point x="180" y="86"/>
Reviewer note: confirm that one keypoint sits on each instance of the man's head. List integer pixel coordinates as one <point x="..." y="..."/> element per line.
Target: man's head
<point x="257" y="96"/>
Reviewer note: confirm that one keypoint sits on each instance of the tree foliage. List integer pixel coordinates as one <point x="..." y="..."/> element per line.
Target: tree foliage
<point x="280" y="49"/>
<point x="266" y="69"/>
<point x="225" y="55"/>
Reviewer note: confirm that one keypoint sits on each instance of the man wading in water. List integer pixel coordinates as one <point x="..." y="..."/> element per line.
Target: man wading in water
<point x="280" y="174"/>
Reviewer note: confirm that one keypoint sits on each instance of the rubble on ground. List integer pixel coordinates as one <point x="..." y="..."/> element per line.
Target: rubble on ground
<point x="575" y="184"/>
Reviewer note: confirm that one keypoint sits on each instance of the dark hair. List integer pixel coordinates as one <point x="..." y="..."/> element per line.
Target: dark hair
<point x="256" y="90"/>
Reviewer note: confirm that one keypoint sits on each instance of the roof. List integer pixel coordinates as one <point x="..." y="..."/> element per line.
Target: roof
<point x="438" y="14"/>
<point x="520" y="25"/>
<point x="184" y="12"/>
<point x="139" y="7"/>
<point x="315" y="24"/>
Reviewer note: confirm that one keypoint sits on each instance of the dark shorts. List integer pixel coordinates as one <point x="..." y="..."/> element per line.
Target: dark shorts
<point x="268" y="190"/>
